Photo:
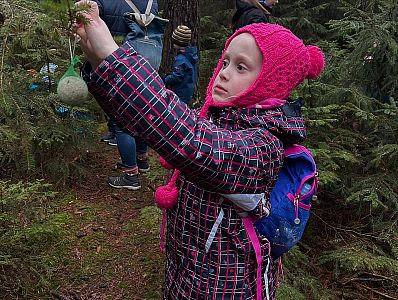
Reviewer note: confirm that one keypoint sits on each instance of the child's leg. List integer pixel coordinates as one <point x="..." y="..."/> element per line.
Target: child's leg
<point x="127" y="150"/>
<point x="142" y="155"/>
<point x="110" y="137"/>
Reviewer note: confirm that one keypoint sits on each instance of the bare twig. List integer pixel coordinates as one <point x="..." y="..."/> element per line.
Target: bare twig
<point x="348" y="230"/>
<point x="151" y="188"/>
<point x="370" y="277"/>
<point x="58" y="295"/>
<point x="377" y="292"/>
<point x="378" y="276"/>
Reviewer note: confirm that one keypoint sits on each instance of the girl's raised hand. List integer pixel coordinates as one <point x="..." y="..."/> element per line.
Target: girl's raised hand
<point x="95" y="39"/>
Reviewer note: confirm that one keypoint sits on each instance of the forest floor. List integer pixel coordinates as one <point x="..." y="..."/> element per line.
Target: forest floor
<point x="108" y="245"/>
<point x="113" y="249"/>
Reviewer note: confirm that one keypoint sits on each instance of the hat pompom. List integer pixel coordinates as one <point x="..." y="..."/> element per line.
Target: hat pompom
<point x="165" y="164"/>
<point x="317" y="62"/>
<point x="166" y="196"/>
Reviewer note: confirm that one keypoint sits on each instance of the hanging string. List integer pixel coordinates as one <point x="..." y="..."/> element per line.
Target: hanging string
<point x="70" y="51"/>
<point x="72" y="48"/>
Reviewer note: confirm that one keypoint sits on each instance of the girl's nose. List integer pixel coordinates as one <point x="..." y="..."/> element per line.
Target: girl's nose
<point x="224" y="73"/>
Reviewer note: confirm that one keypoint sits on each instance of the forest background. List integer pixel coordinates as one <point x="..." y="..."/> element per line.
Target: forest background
<point x="350" y="248"/>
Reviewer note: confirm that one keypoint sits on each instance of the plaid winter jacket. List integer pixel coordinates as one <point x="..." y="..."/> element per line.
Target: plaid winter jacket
<point x="232" y="151"/>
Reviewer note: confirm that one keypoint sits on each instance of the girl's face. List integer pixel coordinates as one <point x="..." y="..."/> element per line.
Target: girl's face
<point x="241" y="65"/>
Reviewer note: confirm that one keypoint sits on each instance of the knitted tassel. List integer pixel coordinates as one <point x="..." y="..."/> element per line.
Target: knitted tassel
<point x="166" y="196"/>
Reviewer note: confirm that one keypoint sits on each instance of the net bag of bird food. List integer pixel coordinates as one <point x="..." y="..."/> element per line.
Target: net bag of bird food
<point x="72" y="89"/>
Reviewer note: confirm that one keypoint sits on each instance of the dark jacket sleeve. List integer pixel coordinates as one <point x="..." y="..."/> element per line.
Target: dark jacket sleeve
<point x="225" y="161"/>
<point x="179" y="70"/>
<point x="257" y="17"/>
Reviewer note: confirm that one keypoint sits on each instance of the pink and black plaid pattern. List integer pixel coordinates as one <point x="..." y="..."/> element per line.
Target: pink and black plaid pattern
<point x="234" y="151"/>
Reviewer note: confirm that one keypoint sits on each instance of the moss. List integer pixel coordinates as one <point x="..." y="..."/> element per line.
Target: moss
<point x="150" y="217"/>
<point x="289" y="292"/>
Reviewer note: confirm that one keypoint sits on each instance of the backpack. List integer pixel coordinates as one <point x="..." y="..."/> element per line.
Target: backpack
<point x="290" y="201"/>
<point x="146" y="33"/>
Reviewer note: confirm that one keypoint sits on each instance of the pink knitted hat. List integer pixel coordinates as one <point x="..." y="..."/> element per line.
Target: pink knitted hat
<point x="286" y="63"/>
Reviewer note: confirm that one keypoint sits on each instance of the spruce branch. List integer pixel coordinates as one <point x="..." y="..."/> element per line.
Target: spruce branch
<point x="368" y="235"/>
<point x="377" y="292"/>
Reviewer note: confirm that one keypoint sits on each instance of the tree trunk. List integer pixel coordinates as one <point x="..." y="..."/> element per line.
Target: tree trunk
<point x="179" y="12"/>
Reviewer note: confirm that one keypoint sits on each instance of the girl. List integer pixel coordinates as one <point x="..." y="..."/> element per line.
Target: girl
<point x="230" y="152"/>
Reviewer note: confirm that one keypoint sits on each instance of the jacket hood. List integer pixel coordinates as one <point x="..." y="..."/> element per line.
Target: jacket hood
<point x="191" y="53"/>
<point x="285" y="122"/>
<point x="243" y="5"/>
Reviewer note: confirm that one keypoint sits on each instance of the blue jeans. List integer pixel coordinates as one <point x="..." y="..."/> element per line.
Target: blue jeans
<point x="111" y="123"/>
<point x="129" y="147"/>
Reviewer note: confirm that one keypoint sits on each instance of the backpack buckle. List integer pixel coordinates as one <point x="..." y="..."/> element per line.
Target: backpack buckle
<point x="296" y="207"/>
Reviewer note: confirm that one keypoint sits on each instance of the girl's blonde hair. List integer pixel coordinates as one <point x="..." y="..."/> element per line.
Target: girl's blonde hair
<point x="259" y="6"/>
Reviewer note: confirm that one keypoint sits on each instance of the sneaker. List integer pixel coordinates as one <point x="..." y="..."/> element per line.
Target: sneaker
<point x="107" y="137"/>
<point x="131" y="182"/>
<point x="143" y="165"/>
<point x="112" y="142"/>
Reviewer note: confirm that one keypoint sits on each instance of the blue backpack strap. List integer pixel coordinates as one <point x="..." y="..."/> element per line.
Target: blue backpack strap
<point x="146" y="33"/>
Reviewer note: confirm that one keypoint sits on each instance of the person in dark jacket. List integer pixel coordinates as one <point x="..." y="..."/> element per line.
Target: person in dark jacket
<point x="112" y="11"/>
<point x="233" y="148"/>
<point x="133" y="151"/>
<point x="252" y="11"/>
<point x="182" y="78"/>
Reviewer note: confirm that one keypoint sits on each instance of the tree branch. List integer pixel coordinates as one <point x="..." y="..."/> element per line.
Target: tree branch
<point x="377" y="292"/>
<point x="348" y="230"/>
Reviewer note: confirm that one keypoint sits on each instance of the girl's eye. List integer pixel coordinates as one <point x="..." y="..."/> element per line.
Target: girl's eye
<point x="241" y="67"/>
<point x="224" y="64"/>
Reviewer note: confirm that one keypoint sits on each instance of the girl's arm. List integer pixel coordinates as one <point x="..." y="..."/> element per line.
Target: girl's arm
<point x="225" y="161"/>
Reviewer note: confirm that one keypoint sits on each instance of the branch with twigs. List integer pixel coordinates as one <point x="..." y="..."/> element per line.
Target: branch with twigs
<point x="368" y="235"/>
<point x="377" y="292"/>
